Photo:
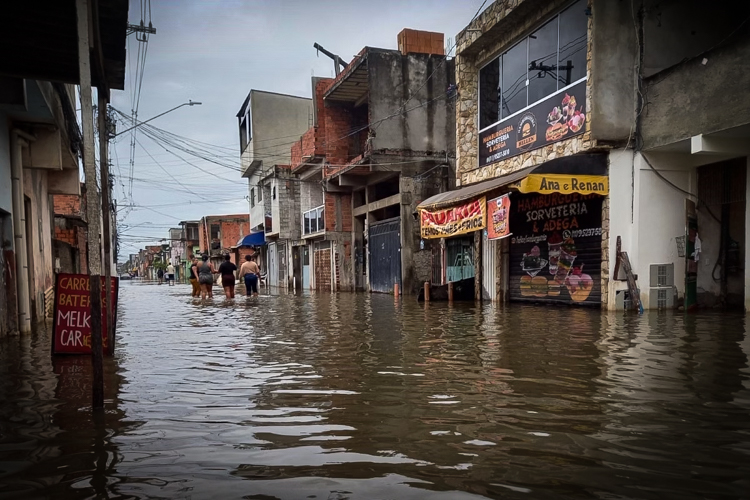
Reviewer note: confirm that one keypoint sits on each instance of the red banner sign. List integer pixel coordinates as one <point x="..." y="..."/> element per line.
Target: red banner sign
<point x="453" y="221"/>
<point x="72" y="321"/>
<point x="498" y="212"/>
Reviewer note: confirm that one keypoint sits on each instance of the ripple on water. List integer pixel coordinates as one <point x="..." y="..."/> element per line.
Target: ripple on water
<point x="353" y="396"/>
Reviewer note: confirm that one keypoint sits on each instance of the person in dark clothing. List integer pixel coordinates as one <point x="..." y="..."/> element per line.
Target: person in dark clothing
<point x="160" y="275"/>
<point x="227" y="270"/>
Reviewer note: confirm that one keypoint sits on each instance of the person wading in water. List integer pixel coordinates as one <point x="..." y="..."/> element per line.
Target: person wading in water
<point x="206" y="273"/>
<point x="251" y="273"/>
<point x="194" y="278"/>
<point x="226" y="270"/>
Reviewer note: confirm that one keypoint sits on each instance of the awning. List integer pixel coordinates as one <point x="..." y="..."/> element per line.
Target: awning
<point x="586" y="174"/>
<point x="450" y="198"/>
<point x="252" y="239"/>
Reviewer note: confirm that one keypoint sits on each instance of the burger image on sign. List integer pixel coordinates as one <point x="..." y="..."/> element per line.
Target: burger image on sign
<point x="526" y="131"/>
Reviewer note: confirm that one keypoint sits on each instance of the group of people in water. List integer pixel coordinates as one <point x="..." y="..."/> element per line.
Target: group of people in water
<point x="202" y="274"/>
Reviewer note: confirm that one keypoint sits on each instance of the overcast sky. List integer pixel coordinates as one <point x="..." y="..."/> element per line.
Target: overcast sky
<point x="215" y="52"/>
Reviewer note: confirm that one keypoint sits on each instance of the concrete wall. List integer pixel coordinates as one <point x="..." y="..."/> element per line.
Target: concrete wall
<point x="40" y="237"/>
<point x="6" y="195"/>
<point x="649" y="214"/>
<point x="311" y="195"/>
<point x="393" y="78"/>
<point x="613" y="53"/>
<point x="257" y="211"/>
<point x="276" y="119"/>
<point x="694" y="98"/>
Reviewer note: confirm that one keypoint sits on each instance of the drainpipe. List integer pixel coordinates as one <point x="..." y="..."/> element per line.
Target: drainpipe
<point x="19" y="140"/>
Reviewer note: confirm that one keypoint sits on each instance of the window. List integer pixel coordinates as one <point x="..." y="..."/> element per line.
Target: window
<point x="260" y="193"/>
<point x="273" y="190"/>
<point x="313" y="220"/>
<point x="489" y="87"/>
<point x="245" y="132"/>
<point x="215" y="231"/>
<point x="551" y="58"/>
<point x="252" y="197"/>
<point x="513" y="85"/>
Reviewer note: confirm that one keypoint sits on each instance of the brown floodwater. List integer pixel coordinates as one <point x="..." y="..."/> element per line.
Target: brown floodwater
<point x="354" y="396"/>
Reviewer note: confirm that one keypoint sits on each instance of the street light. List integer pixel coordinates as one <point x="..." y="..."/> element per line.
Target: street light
<point x="138" y="124"/>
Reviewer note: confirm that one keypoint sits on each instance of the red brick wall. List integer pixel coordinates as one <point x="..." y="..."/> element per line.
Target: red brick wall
<point x="232" y="231"/>
<point x="346" y="212"/>
<point x="323" y="269"/>
<point x="67" y="204"/>
<point x="69" y="236"/>
<point x="296" y="152"/>
<point x="330" y="216"/>
<point x="338" y="127"/>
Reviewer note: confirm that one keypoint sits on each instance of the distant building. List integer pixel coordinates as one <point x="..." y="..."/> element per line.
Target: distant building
<point x="220" y="233"/>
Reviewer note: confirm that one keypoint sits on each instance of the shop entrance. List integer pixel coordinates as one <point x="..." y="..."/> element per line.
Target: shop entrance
<point x="556" y="248"/>
<point x="459" y="258"/>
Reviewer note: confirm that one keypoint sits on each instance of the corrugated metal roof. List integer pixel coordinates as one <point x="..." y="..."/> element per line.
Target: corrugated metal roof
<point x="450" y="198"/>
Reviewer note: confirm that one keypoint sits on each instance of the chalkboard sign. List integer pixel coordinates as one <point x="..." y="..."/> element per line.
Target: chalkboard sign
<point x="72" y="317"/>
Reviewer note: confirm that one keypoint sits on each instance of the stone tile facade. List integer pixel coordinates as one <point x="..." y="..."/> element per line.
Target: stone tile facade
<point x="472" y="53"/>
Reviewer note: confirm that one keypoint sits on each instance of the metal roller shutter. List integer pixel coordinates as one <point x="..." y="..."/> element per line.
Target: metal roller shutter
<point x="556" y="248"/>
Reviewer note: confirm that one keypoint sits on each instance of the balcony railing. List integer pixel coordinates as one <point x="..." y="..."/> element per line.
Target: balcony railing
<point x="313" y="221"/>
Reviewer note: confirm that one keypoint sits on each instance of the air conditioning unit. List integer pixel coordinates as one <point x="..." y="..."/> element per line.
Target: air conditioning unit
<point x="661" y="286"/>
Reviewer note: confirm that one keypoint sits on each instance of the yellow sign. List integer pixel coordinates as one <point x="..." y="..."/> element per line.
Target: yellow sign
<point x="565" y="184"/>
<point x="464" y="218"/>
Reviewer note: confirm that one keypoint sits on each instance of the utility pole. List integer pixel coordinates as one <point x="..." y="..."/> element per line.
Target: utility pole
<point x="106" y="217"/>
<point x="92" y="204"/>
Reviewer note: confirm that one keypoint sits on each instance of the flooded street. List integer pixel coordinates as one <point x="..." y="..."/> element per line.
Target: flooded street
<point x="352" y="396"/>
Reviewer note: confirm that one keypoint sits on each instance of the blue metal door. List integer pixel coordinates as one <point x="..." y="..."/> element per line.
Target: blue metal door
<point x="384" y="248"/>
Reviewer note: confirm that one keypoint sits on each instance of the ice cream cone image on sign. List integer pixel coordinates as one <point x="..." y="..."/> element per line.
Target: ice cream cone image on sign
<point x="564" y="264"/>
<point x="554" y="243"/>
<point x="579" y="285"/>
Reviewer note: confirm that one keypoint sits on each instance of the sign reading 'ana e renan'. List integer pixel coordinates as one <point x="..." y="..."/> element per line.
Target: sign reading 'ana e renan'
<point x="72" y="320"/>
<point x="459" y="219"/>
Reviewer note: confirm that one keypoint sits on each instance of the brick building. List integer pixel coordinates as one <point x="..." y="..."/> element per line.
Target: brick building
<point x="218" y="234"/>
<point x="70" y="233"/>
<point x="383" y="139"/>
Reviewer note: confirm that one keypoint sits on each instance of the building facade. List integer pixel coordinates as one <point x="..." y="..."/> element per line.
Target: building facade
<point x="578" y="111"/>
<point x="363" y="171"/>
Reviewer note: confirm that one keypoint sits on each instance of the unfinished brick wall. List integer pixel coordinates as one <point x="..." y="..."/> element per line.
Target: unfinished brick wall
<point x="66" y="204"/>
<point x="233" y="230"/>
<point x="338" y="124"/>
<point x="323" y="269"/>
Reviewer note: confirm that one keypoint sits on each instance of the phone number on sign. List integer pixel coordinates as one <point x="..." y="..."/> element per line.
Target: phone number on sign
<point x="582" y="233"/>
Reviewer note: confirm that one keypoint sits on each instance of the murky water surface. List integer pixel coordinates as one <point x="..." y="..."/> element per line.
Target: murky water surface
<point x="350" y="396"/>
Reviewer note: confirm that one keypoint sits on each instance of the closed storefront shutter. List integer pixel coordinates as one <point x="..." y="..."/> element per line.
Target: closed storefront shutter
<point x="556" y="248"/>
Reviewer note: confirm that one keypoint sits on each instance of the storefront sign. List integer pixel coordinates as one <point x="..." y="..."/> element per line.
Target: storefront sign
<point x="72" y="317"/>
<point x="453" y="221"/>
<point x="499" y="213"/>
<point x="565" y="184"/>
<point x="560" y="116"/>
<point x="556" y="248"/>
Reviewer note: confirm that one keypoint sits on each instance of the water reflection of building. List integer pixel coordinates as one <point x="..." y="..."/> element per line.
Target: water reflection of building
<point x="59" y="444"/>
